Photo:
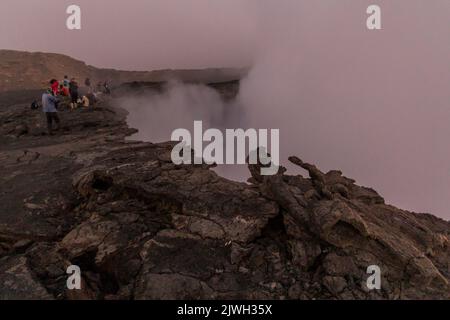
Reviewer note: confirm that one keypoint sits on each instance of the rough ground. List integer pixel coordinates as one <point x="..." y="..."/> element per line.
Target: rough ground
<point x="141" y="227"/>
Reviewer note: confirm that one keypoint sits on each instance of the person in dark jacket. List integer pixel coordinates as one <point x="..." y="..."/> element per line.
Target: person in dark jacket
<point x="73" y="90"/>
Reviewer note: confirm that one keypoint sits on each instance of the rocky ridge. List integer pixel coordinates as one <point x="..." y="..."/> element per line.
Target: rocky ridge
<point x="20" y="70"/>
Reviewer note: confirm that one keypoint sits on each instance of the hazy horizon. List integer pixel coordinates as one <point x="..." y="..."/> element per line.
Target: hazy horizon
<point x="374" y="104"/>
<point x="114" y="39"/>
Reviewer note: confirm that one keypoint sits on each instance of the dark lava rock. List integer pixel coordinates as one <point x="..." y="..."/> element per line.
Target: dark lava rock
<point x="140" y="227"/>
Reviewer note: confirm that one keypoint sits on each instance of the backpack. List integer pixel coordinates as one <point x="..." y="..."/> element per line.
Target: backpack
<point x="35" y="105"/>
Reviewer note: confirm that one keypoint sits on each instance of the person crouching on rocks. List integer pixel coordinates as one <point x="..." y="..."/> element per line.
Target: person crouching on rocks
<point x="85" y="102"/>
<point x="49" y="105"/>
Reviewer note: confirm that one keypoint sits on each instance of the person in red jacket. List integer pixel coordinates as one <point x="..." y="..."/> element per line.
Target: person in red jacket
<point x="55" y="86"/>
<point x="63" y="91"/>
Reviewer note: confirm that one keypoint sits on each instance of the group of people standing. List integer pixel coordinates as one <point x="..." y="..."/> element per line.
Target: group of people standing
<point x="70" y="89"/>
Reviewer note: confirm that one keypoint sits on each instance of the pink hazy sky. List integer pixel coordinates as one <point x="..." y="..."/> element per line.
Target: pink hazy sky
<point x="134" y="34"/>
<point x="375" y="104"/>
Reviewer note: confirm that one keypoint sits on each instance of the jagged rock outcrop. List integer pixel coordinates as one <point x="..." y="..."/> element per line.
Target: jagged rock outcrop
<point x="141" y="227"/>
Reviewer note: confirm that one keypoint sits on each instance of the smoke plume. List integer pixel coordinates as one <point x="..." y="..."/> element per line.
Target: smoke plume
<point x="374" y="104"/>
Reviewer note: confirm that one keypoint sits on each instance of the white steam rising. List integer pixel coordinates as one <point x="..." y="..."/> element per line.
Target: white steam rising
<point x="372" y="104"/>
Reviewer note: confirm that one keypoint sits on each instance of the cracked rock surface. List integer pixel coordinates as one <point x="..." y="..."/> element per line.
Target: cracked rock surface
<point x="140" y="227"/>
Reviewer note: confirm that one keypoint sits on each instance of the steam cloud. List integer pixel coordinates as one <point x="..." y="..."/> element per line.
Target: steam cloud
<point x="373" y="104"/>
<point x="157" y="115"/>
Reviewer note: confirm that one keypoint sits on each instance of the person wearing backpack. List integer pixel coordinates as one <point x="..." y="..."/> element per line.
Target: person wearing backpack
<point x="35" y="105"/>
